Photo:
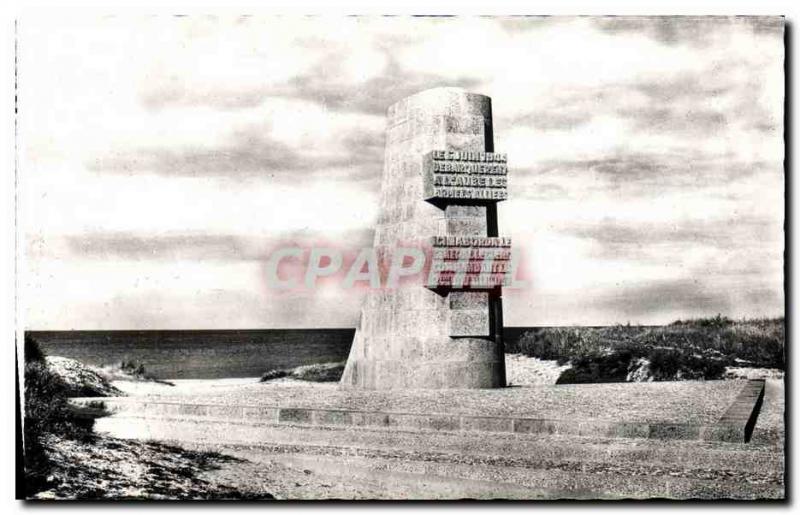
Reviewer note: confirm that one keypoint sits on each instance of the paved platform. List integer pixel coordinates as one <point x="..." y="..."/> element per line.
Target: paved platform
<point x="690" y="410"/>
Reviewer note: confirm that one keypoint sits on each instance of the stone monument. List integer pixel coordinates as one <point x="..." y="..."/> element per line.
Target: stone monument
<point x="440" y="186"/>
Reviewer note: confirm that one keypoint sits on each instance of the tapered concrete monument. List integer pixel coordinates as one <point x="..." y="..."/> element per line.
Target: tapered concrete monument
<point x="441" y="183"/>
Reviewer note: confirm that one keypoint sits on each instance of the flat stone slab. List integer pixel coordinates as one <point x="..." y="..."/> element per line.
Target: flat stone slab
<point x="667" y="410"/>
<point x="737" y="423"/>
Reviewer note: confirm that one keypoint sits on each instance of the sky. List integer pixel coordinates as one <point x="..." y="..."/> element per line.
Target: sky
<point x="160" y="159"/>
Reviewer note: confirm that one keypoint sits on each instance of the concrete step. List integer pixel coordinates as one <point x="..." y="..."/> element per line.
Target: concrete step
<point x="734" y="426"/>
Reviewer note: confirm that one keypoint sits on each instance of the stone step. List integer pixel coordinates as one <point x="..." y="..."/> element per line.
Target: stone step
<point x="730" y="428"/>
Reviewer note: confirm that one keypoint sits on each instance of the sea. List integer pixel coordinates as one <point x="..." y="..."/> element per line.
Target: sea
<point x="207" y="354"/>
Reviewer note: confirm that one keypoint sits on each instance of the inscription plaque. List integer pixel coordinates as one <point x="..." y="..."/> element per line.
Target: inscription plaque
<point x="470" y="262"/>
<point x="450" y="174"/>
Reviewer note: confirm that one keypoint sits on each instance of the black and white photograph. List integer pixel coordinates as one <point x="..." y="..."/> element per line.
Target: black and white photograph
<point x="401" y="258"/>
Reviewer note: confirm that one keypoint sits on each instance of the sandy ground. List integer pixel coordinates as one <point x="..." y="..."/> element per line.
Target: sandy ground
<point x="183" y="386"/>
<point x="770" y="426"/>
<point x="105" y="467"/>
<point x="753" y="373"/>
<point x="522" y="370"/>
<point x="208" y="386"/>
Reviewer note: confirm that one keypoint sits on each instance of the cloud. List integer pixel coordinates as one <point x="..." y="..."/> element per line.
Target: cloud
<point x="699" y="31"/>
<point x="636" y="174"/>
<point x="700" y="122"/>
<point x="685" y="86"/>
<point x="202" y="247"/>
<point x="617" y="238"/>
<point x="525" y="23"/>
<point x="323" y="84"/>
<point x="686" y="105"/>
<point x="374" y="95"/>
<point x="560" y="118"/>
<point x="344" y="65"/>
<point x="131" y="246"/>
<point x="687" y="295"/>
<point x="250" y="153"/>
<point x="179" y="94"/>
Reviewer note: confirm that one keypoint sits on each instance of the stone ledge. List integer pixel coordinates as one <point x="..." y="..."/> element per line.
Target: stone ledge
<point x="733" y="426"/>
<point x="738" y="422"/>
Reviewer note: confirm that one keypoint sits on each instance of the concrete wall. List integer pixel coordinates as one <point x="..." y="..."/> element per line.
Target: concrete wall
<point x="403" y="339"/>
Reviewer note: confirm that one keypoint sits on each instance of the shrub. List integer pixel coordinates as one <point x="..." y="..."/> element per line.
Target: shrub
<point x="46" y="412"/>
<point x="704" y="368"/>
<point x="133" y="368"/>
<point x="274" y="374"/>
<point x="557" y="343"/>
<point x="698" y="348"/>
<point x="46" y="407"/>
<point x="318" y="372"/>
<point x="664" y="363"/>
<point x="607" y="368"/>
<point x="33" y="353"/>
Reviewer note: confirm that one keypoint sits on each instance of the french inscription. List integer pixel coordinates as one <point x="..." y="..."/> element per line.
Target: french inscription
<point x="455" y="174"/>
<point x="471" y="241"/>
<point x="472" y="266"/>
<point x="473" y="281"/>
<point x="463" y="155"/>
<point x="471" y="262"/>
<point x="469" y="194"/>
<point x="454" y="254"/>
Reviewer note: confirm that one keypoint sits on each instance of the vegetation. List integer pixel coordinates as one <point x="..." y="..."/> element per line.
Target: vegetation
<point x="152" y="471"/>
<point x="46" y="412"/>
<point x="81" y="380"/>
<point x="133" y="368"/>
<point x="691" y="349"/>
<point x="64" y="459"/>
<point x="130" y="370"/>
<point x="318" y="372"/>
<point x="607" y="368"/>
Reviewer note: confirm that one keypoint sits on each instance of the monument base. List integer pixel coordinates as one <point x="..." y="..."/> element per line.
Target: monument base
<point x="651" y="410"/>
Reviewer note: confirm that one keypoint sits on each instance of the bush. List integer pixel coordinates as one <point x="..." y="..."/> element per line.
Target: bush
<point x="556" y="343"/>
<point x="46" y="407"/>
<point x="33" y="353"/>
<point x="664" y="363"/>
<point x="608" y="368"/>
<point x="274" y="374"/>
<point x="133" y="368"/>
<point x="688" y="349"/>
<point x="670" y="364"/>
<point x="318" y="372"/>
<point x="46" y="412"/>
